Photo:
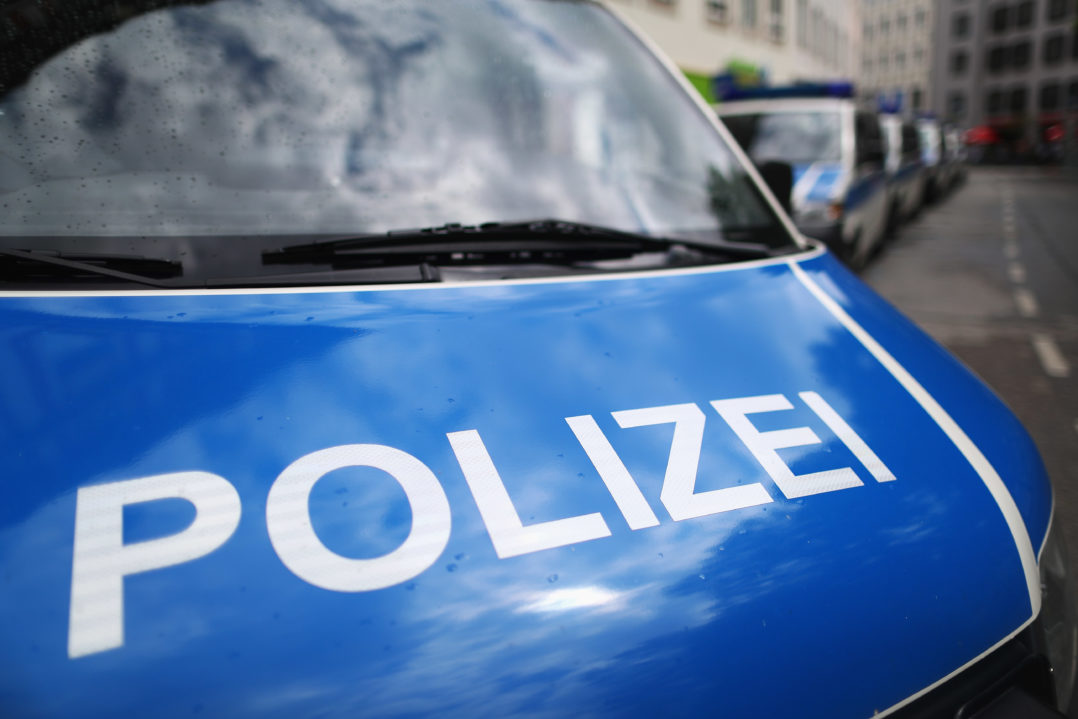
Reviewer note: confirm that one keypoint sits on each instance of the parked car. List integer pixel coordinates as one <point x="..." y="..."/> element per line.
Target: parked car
<point x="905" y="167"/>
<point x="837" y="155"/>
<point x="449" y="359"/>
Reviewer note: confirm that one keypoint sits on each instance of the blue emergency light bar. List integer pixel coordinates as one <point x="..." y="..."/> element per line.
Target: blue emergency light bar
<point x="889" y="106"/>
<point x="840" y="89"/>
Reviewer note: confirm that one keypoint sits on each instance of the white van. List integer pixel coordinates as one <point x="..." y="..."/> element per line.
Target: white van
<point x="905" y="167"/>
<point x="837" y="155"/>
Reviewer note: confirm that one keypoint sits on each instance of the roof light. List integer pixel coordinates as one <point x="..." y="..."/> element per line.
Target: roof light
<point x="839" y="88"/>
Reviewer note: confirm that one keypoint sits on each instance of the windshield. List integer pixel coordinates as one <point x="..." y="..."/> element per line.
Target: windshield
<point x="795" y="137"/>
<point x="322" y="117"/>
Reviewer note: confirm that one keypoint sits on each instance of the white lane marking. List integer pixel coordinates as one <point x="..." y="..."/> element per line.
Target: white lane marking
<point x="1026" y="302"/>
<point x="956" y="434"/>
<point x="1052" y="360"/>
<point x="1017" y="272"/>
<point x="1010" y="249"/>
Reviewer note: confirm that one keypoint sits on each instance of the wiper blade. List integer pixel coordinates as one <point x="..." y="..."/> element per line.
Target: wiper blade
<point x="492" y="242"/>
<point x="50" y="266"/>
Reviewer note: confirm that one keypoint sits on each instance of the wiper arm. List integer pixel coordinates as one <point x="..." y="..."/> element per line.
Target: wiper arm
<point x="48" y="266"/>
<point x="492" y="242"/>
<point x="41" y="266"/>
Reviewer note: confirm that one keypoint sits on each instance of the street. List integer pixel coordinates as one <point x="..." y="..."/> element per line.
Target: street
<point x="991" y="272"/>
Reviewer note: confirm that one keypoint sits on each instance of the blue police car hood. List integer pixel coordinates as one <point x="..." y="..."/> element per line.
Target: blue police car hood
<point x="754" y="490"/>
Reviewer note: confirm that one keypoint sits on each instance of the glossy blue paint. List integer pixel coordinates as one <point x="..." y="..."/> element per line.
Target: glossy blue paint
<point x="907" y="172"/>
<point x="865" y="188"/>
<point x="837" y="604"/>
<point x="977" y="409"/>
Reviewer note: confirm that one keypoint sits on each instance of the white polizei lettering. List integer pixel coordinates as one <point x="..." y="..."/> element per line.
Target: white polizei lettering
<point x="101" y="560"/>
<point x="851" y="439"/>
<point x="679" y="485"/>
<point x="763" y="446"/>
<point x="508" y="534"/>
<point x="293" y="537"/>
<point x="612" y="471"/>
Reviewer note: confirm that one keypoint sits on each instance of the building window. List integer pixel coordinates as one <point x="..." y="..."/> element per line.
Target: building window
<point x="718" y="11"/>
<point x="1053" y="49"/>
<point x="1058" y="9"/>
<point x="956" y="105"/>
<point x="959" y="62"/>
<point x="998" y="20"/>
<point x="1050" y="97"/>
<point x="748" y="13"/>
<point x="900" y="23"/>
<point x="1074" y="44"/>
<point x="1072" y="95"/>
<point x="918" y="56"/>
<point x="866" y="32"/>
<point x="1021" y="54"/>
<point x="883" y="62"/>
<point x="919" y="17"/>
<point x="776" y="28"/>
<point x="993" y="102"/>
<point x="1023" y="15"/>
<point x="916" y="98"/>
<point x="1018" y="101"/>
<point x="997" y="59"/>
<point x="960" y="25"/>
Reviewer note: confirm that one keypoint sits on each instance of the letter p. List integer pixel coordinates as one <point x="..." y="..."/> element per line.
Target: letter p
<point x="101" y="559"/>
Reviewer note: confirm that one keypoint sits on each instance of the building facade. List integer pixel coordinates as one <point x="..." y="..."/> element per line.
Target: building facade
<point x="897" y="54"/>
<point x="1008" y="64"/>
<point x="788" y="39"/>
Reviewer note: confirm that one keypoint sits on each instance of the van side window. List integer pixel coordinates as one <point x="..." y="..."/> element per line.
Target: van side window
<point x="867" y="138"/>
<point x="911" y="144"/>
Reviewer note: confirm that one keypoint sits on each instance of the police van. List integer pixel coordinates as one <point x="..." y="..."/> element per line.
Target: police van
<point x="935" y="157"/>
<point x="837" y="154"/>
<point x="450" y="359"/>
<point x="905" y="167"/>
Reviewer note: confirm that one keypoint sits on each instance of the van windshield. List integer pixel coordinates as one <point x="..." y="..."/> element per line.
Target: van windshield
<point x="321" y="117"/>
<point x="795" y="137"/>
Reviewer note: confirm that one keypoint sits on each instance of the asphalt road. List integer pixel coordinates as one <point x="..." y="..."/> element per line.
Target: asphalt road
<point x="991" y="271"/>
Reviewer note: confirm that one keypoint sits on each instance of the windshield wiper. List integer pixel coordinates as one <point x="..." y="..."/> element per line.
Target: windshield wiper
<point x="50" y="266"/>
<point x="537" y="241"/>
